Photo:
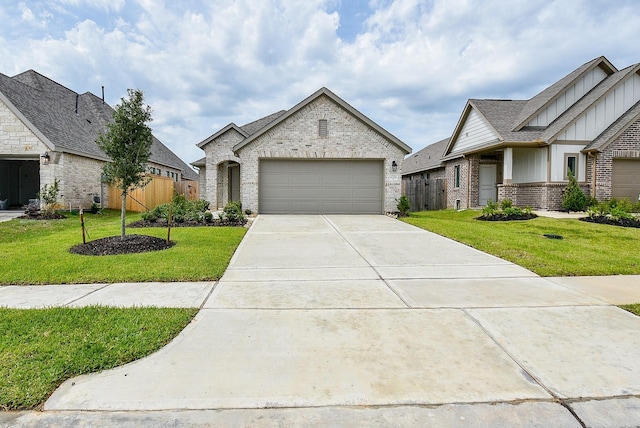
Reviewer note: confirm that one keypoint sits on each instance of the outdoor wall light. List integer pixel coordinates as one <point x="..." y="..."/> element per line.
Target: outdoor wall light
<point x="394" y="166"/>
<point x="45" y="158"/>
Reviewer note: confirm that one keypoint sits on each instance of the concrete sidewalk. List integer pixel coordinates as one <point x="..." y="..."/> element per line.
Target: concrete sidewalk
<point x="358" y="321"/>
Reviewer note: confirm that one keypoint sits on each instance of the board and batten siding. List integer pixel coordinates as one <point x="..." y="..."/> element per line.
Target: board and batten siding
<point x="557" y="161"/>
<point x="569" y="97"/>
<point x="474" y="133"/>
<point x="530" y="165"/>
<point x="601" y="115"/>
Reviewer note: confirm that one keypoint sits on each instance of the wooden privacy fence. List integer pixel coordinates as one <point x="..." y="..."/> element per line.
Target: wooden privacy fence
<point x="426" y="194"/>
<point x="160" y="190"/>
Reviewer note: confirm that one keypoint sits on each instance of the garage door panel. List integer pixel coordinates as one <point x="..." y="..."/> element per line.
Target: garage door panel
<point x="321" y="186"/>
<point x="625" y="182"/>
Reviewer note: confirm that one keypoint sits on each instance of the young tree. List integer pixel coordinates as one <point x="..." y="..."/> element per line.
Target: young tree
<point x="573" y="198"/>
<point x="128" y="143"/>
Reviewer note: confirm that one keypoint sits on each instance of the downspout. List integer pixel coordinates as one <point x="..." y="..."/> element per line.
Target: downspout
<point x="593" y="173"/>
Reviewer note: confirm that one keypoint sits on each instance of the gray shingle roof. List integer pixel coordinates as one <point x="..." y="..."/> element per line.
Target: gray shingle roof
<point x="540" y="101"/>
<point x="501" y="115"/>
<point x="428" y="158"/>
<point x="253" y="127"/>
<point x="50" y="108"/>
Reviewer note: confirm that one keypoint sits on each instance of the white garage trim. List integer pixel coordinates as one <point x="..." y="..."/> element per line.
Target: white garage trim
<point x="293" y="186"/>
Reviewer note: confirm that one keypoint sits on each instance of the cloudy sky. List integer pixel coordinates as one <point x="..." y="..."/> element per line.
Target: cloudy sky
<point x="410" y="65"/>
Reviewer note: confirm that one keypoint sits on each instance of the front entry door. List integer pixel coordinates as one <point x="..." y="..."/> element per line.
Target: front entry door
<point x="488" y="189"/>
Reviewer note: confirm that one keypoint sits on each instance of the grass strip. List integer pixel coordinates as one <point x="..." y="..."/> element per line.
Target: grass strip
<point x="586" y="248"/>
<point x="41" y="348"/>
<point x="37" y="252"/>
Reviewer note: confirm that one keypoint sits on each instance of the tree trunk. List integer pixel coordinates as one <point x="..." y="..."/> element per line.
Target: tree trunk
<point x="123" y="213"/>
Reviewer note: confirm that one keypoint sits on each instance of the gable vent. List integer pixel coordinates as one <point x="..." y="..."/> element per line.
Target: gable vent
<point x="322" y="128"/>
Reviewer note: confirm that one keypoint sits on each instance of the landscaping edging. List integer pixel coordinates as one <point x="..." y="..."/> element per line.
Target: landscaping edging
<point x="622" y="222"/>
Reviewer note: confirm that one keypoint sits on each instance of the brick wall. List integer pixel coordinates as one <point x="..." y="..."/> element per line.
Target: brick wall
<point x="212" y="176"/>
<point x="457" y="193"/>
<point x="546" y="196"/>
<point x="297" y="138"/>
<point x="627" y="145"/>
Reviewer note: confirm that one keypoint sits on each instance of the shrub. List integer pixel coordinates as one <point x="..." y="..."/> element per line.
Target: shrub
<point x="506" y="203"/>
<point x="49" y="196"/>
<point x="208" y="217"/>
<point x="490" y="209"/>
<point x="573" y="198"/>
<point x="404" y="205"/>
<point x="232" y="212"/>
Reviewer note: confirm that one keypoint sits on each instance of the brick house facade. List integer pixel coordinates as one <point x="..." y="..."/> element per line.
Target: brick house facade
<point x="37" y="148"/>
<point x="321" y="128"/>
<point x="587" y="123"/>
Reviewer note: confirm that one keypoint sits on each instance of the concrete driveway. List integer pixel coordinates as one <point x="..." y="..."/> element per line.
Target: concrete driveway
<point x="321" y="317"/>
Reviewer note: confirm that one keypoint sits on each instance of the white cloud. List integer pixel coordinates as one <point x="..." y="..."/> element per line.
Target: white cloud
<point x="204" y="64"/>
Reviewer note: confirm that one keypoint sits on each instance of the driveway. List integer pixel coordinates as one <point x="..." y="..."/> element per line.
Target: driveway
<point x="322" y="313"/>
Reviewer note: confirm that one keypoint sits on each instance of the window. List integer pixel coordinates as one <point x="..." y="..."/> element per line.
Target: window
<point x="322" y="128"/>
<point x="570" y="164"/>
<point x="456" y="176"/>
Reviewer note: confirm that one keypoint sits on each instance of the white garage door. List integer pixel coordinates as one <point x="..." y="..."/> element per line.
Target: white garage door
<point x="625" y="181"/>
<point x="321" y="186"/>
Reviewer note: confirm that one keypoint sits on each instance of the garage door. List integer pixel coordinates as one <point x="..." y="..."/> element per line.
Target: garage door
<point x="320" y="187"/>
<point x="626" y="178"/>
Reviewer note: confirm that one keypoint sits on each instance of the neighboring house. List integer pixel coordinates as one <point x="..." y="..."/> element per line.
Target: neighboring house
<point x="587" y="123"/>
<point x="322" y="156"/>
<point x="423" y="178"/>
<point x="48" y="132"/>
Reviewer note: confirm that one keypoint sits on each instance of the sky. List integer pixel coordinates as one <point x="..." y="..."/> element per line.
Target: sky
<point x="409" y="65"/>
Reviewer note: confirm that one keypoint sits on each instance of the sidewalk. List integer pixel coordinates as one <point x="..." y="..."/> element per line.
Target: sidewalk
<point x="320" y="320"/>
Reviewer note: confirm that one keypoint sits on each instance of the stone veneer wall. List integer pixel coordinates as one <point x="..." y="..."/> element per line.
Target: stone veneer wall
<point x="627" y="145"/>
<point x="297" y="137"/>
<point x="218" y="151"/>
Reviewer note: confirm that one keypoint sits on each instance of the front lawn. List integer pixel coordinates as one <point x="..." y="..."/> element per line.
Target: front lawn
<point x="41" y="348"/>
<point x="37" y="252"/>
<point x="586" y="248"/>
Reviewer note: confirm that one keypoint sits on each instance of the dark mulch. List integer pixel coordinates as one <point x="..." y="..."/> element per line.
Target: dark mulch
<point x="190" y="223"/>
<point x="506" y="217"/>
<point x="43" y="216"/>
<point x="115" y="245"/>
<point x="602" y="219"/>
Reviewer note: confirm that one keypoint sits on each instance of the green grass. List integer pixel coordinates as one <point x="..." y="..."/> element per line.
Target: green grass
<point x="634" y="309"/>
<point x="40" y="349"/>
<point x="37" y="252"/>
<point x="587" y="248"/>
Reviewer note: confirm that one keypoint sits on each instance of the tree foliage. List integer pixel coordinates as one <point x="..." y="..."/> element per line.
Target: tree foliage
<point x="573" y="198"/>
<point x="128" y="143"/>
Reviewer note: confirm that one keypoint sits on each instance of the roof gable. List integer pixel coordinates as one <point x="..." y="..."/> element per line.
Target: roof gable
<point x="567" y="90"/>
<point x="599" y="108"/>
<point x="229" y="127"/>
<point x="68" y="121"/>
<point x="340" y="102"/>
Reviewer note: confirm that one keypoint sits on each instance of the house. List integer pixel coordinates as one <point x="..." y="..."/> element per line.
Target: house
<point x="587" y="123"/>
<point x="321" y="156"/>
<point x="48" y="132"/>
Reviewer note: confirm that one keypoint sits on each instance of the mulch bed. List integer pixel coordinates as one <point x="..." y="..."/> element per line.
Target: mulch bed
<point x="43" y="216"/>
<point x="114" y="245"/>
<point x="608" y="220"/>
<point x="163" y="223"/>
<point x="506" y="217"/>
